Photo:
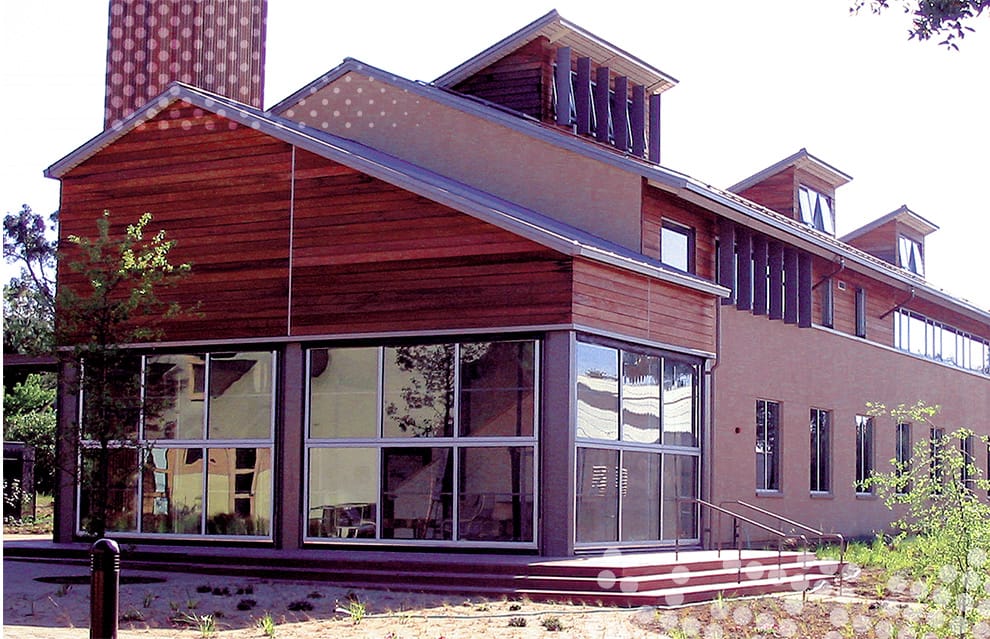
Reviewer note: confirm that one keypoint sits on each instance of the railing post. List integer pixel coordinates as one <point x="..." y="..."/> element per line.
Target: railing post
<point x="104" y="592"/>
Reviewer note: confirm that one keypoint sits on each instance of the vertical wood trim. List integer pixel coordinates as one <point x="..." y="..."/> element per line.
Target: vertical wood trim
<point x="726" y="258"/>
<point x="289" y="498"/>
<point x="620" y="114"/>
<point x="292" y="237"/>
<point x="602" y="111"/>
<point x="638" y="123"/>
<point x="582" y="96"/>
<point x="759" y="274"/>
<point x="804" y="290"/>
<point x="744" y="259"/>
<point x="775" y="259"/>
<point x="654" y="143"/>
<point x="556" y="446"/>
<point x="790" y="285"/>
<point x="563" y="81"/>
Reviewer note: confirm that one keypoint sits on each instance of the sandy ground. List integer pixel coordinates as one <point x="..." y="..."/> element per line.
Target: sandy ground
<point x="173" y="607"/>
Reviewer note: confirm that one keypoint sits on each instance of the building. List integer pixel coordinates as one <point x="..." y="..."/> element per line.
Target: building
<point x="480" y="313"/>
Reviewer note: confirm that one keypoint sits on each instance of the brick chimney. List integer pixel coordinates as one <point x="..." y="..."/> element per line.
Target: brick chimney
<point x="216" y="45"/>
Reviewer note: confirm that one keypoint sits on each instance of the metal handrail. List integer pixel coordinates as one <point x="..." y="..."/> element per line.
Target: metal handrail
<point x="736" y="518"/>
<point x="796" y="524"/>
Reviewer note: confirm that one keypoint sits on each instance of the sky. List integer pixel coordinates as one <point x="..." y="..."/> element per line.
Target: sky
<point x="759" y="79"/>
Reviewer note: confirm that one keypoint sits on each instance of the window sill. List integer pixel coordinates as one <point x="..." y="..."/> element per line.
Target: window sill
<point x="772" y="494"/>
<point x="866" y="496"/>
<point x="821" y="495"/>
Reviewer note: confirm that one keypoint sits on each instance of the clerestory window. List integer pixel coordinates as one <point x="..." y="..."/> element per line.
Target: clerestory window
<point x="816" y="210"/>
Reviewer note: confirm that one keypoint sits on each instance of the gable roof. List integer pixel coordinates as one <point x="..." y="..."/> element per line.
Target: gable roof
<point x="562" y="32"/>
<point x="506" y="215"/>
<point x="902" y="214"/>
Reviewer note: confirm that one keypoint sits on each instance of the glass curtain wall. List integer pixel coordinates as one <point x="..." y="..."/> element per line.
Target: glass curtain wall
<point x="423" y="443"/>
<point x="202" y="462"/>
<point x="638" y="446"/>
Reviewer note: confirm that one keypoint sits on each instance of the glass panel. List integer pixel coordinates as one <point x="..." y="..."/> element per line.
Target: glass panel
<point x="819" y="451"/>
<point x="172" y="499"/>
<point x="238" y="491"/>
<point x="343" y="392"/>
<point x="767" y="420"/>
<point x="497" y="386"/>
<point x="174" y="396"/>
<point x="240" y="387"/>
<point x="417" y="493"/>
<point x="917" y="335"/>
<point x="597" y="392"/>
<point x="640" y="398"/>
<point x="640" y="487"/>
<point x="864" y="452"/>
<point x="597" y="495"/>
<point x="496" y="494"/>
<point x="419" y="391"/>
<point x="111" y="390"/>
<point x="343" y="492"/>
<point x="679" y="394"/>
<point x="807" y="212"/>
<point x="680" y="480"/>
<point x="903" y="453"/>
<point x="674" y="247"/>
<point x="828" y="217"/>
<point x="119" y="508"/>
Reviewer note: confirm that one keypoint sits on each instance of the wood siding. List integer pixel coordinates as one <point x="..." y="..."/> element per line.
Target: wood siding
<point x="222" y="191"/>
<point x="778" y="193"/>
<point x="519" y="81"/>
<point x="659" y="206"/>
<point x="611" y="299"/>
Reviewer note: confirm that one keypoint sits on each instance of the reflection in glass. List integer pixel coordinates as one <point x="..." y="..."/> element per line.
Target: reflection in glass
<point x="121" y="468"/>
<point x="343" y="492"/>
<point x="496" y="494"/>
<point x="640" y="398"/>
<point x="679" y="384"/>
<point x="497" y="385"/>
<point x="110" y="385"/>
<point x="597" y="495"/>
<point x="417" y="493"/>
<point x="419" y="391"/>
<point x="174" y="396"/>
<point x="343" y="392"/>
<point x="640" y="496"/>
<point x="240" y="387"/>
<point x="680" y="480"/>
<point x="597" y="392"/>
<point x="238" y="491"/>
<point x="172" y="499"/>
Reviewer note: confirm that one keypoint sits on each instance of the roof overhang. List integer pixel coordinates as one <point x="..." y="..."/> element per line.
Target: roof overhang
<point x="903" y="215"/>
<point x="802" y="160"/>
<point x="562" y="32"/>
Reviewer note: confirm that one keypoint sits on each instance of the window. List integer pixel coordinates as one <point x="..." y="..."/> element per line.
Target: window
<point x="909" y="255"/>
<point x="936" y="443"/>
<point x="677" y="246"/>
<point x="828" y="304"/>
<point x="638" y="449"/>
<point x="915" y="333"/>
<point x="902" y="456"/>
<point x="767" y="445"/>
<point x="864" y="453"/>
<point x="860" y="312"/>
<point x="820" y="451"/>
<point x="968" y="471"/>
<point x="816" y="210"/>
<point x="424" y="443"/>
<point x="205" y="448"/>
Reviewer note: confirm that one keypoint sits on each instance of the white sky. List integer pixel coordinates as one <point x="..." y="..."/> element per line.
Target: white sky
<point x="759" y="79"/>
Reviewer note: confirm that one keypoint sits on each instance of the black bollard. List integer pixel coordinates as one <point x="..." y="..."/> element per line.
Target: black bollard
<point x="104" y="591"/>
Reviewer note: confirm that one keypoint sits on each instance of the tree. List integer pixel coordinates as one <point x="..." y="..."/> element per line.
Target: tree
<point x="110" y="300"/>
<point x="933" y="18"/>
<point x="29" y="417"/>
<point x="938" y="494"/>
<point x="29" y="299"/>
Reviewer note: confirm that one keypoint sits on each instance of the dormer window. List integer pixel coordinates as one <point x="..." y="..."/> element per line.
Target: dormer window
<point x="816" y="210"/>
<point x="909" y="255"/>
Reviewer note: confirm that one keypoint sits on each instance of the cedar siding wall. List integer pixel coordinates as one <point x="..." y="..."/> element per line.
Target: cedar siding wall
<point x="519" y="81"/>
<point x="777" y="192"/>
<point x="222" y="191"/>
<point x="611" y="299"/>
<point x="659" y="206"/>
<point x="371" y="257"/>
<point x="880" y="242"/>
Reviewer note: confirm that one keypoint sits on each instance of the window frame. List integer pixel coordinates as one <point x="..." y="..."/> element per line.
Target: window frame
<point x="865" y="453"/>
<point x="903" y="454"/>
<point x="820" y="480"/>
<point x="688" y="232"/>
<point x="772" y="468"/>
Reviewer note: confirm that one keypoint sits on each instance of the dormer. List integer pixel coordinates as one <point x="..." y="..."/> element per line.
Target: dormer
<point x="802" y="187"/>
<point x="898" y="238"/>
<point x="557" y="72"/>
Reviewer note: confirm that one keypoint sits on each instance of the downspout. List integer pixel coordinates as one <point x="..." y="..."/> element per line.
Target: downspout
<point x="841" y="267"/>
<point x="708" y="452"/>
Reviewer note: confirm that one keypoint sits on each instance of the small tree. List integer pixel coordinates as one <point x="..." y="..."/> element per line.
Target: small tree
<point x="941" y="496"/>
<point x="29" y="298"/>
<point x="115" y="303"/>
